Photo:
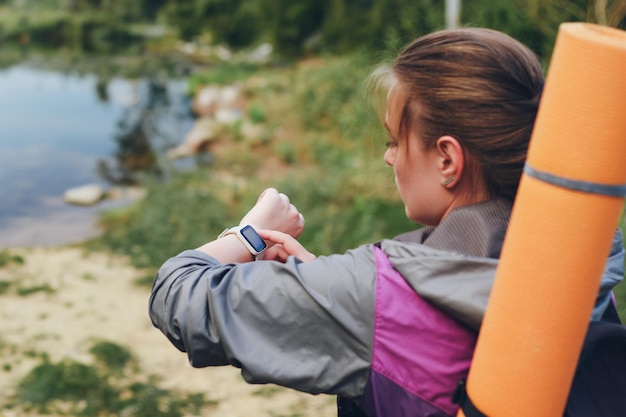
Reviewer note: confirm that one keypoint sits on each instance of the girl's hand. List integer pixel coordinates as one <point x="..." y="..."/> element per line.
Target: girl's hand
<point x="282" y="246"/>
<point x="273" y="211"/>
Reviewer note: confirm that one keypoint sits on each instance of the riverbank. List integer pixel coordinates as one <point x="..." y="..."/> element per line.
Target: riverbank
<point x="57" y="302"/>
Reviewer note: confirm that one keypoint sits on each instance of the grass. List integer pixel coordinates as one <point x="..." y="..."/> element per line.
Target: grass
<point x="7" y="258"/>
<point x="23" y="290"/>
<point x="20" y="286"/>
<point x="111" y="386"/>
<point x="268" y="390"/>
<point x="177" y="215"/>
<point x="111" y="355"/>
<point x="223" y="73"/>
<point x="146" y="280"/>
<point x="39" y="288"/>
<point x="331" y="149"/>
<point x="331" y="145"/>
<point x="5" y="286"/>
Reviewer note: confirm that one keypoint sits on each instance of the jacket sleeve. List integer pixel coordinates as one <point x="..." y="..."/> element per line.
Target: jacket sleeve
<point x="307" y="326"/>
<point x="612" y="275"/>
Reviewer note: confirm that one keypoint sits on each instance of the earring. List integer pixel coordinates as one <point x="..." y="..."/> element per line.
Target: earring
<point x="448" y="181"/>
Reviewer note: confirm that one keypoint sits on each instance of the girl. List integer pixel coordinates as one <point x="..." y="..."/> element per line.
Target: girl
<point x="389" y="327"/>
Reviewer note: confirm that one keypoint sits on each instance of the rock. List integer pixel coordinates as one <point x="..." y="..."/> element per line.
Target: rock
<point x="253" y="133"/>
<point x="228" y="95"/>
<point x="126" y="193"/>
<point x="205" y="100"/>
<point x="86" y="195"/>
<point x="210" y="99"/>
<point x="228" y="116"/>
<point x="261" y="54"/>
<point x="204" y="131"/>
<point x="223" y="53"/>
<point x="188" y="48"/>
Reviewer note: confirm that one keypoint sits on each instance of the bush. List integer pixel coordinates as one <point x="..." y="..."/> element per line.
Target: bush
<point x="180" y="214"/>
<point x="224" y="73"/>
<point x="7" y="258"/>
<point x="111" y="355"/>
<point x="69" y="387"/>
<point x="334" y="157"/>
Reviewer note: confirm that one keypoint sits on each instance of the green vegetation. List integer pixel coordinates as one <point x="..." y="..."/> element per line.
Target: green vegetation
<point x="334" y="172"/>
<point x="331" y="148"/>
<point x="330" y="141"/>
<point x="268" y="390"/>
<point x="22" y="287"/>
<point x="4" y="286"/>
<point x="334" y="26"/>
<point x="111" y="355"/>
<point x="146" y="280"/>
<point x="7" y="258"/>
<point x="295" y="29"/>
<point x="324" y="144"/>
<point x="28" y="290"/>
<point x="174" y="216"/>
<point x="111" y="386"/>
<point x="223" y="74"/>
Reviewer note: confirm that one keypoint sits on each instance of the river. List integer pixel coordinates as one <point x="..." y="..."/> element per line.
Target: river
<point x="58" y="130"/>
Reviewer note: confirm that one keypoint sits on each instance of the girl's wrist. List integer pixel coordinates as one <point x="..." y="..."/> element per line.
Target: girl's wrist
<point x="227" y="249"/>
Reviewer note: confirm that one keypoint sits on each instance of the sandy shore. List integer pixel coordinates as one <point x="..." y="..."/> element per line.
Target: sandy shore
<point x="92" y="297"/>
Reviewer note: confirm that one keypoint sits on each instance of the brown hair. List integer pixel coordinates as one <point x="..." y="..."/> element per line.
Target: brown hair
<point x="481" y="87"/>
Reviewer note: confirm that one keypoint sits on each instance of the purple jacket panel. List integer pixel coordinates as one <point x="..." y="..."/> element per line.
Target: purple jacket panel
<point x="418" y="349"/>
<point x="383" y="397"/>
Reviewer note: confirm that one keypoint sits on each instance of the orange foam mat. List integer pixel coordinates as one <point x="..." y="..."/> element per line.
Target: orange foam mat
<point x="558" y="238"/>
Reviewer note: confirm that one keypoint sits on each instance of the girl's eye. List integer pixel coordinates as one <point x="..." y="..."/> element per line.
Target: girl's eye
<point x="390" y="144"/>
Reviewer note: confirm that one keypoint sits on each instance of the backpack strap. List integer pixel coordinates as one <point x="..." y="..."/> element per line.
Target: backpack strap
<point x="600" y="381"/>
<point x="346" y="407"/>
<point x="461" y="398"/>
<point x="610" y="314"/>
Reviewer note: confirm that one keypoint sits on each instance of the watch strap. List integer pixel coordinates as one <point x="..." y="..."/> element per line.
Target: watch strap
<point x="229" y="231"/>
<point x="236" y="230"/>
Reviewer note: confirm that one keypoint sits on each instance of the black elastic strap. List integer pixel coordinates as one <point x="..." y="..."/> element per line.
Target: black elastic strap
<point x="576" y="185"/>
<point x="461" y="398"/>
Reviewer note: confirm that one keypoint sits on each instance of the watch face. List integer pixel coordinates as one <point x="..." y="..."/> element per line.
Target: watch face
<point x="253" y="238"/>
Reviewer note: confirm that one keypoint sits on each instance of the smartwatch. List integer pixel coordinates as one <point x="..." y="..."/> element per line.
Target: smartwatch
<point x="248" y="236"/>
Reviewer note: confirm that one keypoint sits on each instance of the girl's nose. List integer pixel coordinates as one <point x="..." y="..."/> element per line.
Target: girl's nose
<point x="389" y="156"/>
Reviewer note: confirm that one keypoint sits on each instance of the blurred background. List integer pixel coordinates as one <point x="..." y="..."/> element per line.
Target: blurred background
<point x="95" y="92"/>
<point x="141" y="128"/>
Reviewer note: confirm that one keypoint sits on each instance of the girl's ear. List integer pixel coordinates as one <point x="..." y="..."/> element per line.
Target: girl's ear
<point x="451" y="160"/>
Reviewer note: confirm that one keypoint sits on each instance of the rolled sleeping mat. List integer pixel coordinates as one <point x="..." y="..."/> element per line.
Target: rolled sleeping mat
<point x="563" y="221"/>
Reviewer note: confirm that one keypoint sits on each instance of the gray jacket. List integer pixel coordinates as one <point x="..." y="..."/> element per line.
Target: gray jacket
<point x="309" y="326"/>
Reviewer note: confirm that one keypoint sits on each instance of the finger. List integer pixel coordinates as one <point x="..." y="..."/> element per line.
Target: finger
<point x="284" y="198"/>
<point x="267" y="191"/>
<point x="290" y="244"/>
<point x="276" y="253"/>
<point x="281" y="254"/>
<point x="273" y="236"/>
<point x="298" y="225"/>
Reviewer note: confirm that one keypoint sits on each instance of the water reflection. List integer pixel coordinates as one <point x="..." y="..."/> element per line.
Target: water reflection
<point x="136" y="130"/>
<point x="61" y="130"/>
